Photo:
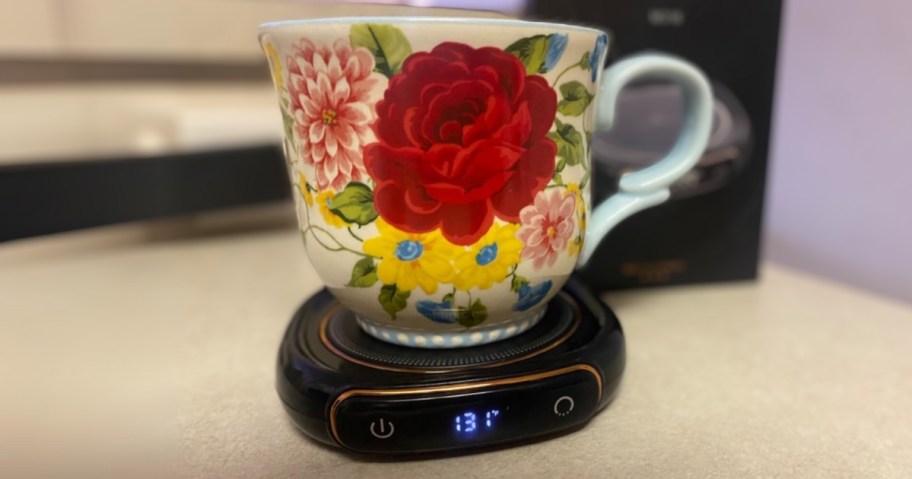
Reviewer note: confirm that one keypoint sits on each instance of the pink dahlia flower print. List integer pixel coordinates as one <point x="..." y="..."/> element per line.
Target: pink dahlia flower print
<point x="548" y="225"/>
<point x="333" y="90"/>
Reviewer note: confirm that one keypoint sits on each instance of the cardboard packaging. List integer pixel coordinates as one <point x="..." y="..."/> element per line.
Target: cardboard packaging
<point x="710" y="230"/>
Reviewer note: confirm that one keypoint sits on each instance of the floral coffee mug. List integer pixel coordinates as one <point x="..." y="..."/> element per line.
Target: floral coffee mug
<point x="441" y="166"/>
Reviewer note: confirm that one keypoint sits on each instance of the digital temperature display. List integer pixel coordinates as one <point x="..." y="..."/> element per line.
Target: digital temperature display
<point x="469" y="422"/>
<point x="369" y="421"/>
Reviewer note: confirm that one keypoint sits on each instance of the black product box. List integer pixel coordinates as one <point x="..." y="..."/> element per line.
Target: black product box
<point x="710" y="229"/>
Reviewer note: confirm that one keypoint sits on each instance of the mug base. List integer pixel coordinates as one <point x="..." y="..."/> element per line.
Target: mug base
<point x="451" y="339"/>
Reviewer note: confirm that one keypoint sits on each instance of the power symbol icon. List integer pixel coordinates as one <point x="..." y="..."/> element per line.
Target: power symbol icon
<point x="382" y="429"/>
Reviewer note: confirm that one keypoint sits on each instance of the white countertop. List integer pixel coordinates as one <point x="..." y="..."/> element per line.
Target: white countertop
<point x="122" y="352"/>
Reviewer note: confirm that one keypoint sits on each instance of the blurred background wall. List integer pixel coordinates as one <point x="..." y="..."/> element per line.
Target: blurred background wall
<point x="81" y="78"/>
<point x="840" y="197"/>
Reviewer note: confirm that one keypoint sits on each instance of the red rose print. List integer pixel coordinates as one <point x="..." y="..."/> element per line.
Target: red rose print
<point x="461" y="139"/>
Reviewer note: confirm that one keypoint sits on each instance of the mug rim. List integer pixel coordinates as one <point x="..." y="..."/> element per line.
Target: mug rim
<point x="501" y="22"/>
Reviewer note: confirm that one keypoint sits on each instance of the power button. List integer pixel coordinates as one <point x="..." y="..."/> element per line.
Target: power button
<point x="382" y="429"/>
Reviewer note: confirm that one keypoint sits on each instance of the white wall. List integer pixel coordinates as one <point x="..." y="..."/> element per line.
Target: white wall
<point x="840" y="200"/>
<point x="100" y="119"/>
<point x="213" y="30"/>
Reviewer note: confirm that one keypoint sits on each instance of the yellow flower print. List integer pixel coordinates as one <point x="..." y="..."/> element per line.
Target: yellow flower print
<point x="489" y="260"/>
<point x="323" y="199"/>
<point x="576" y="244"/>
<point x="582" y="217"/>
<point x="276" y="63"/>
<point x="409" y="260"/>
<point x="574" y="189"/>
<point x="305" y="191"/>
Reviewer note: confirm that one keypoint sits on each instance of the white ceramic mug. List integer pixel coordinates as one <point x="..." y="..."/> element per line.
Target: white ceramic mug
<point x="441" y="166"/>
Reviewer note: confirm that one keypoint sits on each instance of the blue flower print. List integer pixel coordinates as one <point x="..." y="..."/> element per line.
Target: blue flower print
<point x="601" y="43"/>
<point x="442" y="312"/>
<point x="557" y="43"/>
<point x="530" y="296"/>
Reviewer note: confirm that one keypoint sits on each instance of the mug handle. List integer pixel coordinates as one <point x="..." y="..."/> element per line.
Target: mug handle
<point x="649" y="187"/>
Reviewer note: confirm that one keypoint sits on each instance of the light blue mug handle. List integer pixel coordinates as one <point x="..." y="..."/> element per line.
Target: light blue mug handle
<point x="648" y="187"/>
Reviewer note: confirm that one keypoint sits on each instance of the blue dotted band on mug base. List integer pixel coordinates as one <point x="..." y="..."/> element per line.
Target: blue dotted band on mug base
<point x="451" y="339"/>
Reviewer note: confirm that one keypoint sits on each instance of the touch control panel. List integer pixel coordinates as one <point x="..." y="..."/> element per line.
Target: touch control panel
<point x="465" y="415"/>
